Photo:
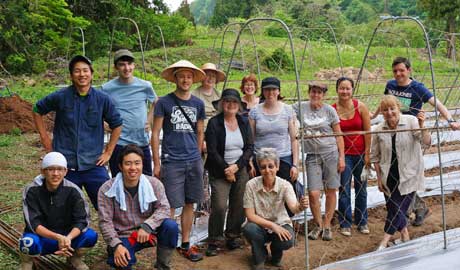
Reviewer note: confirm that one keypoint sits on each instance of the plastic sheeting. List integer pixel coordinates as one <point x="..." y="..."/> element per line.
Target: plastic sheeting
<point x="451" y="182"/>
<point x="426" y="252"/>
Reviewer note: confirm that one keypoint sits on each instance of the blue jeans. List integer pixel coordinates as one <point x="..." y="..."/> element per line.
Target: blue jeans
<point x="167" y="235"/>
<point x="34" y="244"/>
<point x="91" y="179"/>
<point x="353" y="167"/>
<point x="258" y="237"/>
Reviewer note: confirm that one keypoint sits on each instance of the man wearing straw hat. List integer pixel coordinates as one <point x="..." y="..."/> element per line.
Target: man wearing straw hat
<point x="56" y="216"/>
<point x="181" y="116"/>
<point x="131" y="97"/>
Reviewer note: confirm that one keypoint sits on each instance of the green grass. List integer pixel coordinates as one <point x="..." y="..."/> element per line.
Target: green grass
<point x="318" y="56"/>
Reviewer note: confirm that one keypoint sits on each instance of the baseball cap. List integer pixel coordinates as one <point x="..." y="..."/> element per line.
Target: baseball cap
<point x="122" y="53"/>
<point x="80" y="58"/>
<point x="271" y="82"/>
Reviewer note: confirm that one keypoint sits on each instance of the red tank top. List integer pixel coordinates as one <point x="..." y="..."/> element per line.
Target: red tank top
<point x="354" y="144"/>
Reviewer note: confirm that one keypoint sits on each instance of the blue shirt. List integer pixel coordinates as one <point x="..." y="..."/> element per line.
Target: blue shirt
<point x="411" y="96"/>
<point x="131" y="100"/>
<point x="179" y="139"/>
<point x="79" y="124"/>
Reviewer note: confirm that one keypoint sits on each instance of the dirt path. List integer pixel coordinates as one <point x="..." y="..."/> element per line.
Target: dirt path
<point x="321" y="252"/>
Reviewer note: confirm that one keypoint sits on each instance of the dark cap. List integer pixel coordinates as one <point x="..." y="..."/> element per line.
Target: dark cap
<point x="80" y="58"/>
<point x="122" y="53"/>
<point x="228" y="93"/>
<point x="271" y="82"/>
<point x="318" y="85"/>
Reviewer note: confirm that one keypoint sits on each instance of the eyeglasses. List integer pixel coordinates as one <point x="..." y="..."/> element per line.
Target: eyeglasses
<point x="51" y="169"/>
<point x="269" y="166"/>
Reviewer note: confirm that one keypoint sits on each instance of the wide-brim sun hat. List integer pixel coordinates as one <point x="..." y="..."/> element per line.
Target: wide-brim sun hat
<point x="318" y="85"/>
<point x="169" y="73"/>
<point x="220" y="75"/>
<point x="228" y="93"/>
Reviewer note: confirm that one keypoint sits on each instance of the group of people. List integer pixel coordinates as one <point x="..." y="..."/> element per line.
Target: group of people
<point x="247" y="145"/>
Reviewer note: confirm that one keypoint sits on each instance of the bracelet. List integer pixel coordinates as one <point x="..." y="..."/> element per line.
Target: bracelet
<point x="295" y="166"/>
<point x="451" y="120"/>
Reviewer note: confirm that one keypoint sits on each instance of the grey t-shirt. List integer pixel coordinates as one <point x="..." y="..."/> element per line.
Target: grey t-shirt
<point x="318" y="122"/>
<point x="272" y="130"/>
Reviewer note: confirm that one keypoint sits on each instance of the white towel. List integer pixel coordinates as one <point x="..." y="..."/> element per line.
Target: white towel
<point x="145" y="192"/>
<point x="39" y="179"/>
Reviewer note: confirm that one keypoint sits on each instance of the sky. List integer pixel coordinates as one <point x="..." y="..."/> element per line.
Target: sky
<point x="174" y="4"/>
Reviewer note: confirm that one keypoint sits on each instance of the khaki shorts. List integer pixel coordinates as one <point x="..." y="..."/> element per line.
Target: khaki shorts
<point x="322" y="171"/>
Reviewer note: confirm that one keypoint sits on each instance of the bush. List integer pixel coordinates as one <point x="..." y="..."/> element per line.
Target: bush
<point x="278" y="60"/>
<point x="16" y="62"/>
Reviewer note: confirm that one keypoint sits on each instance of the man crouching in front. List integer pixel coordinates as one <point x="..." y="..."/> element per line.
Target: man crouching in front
<point x="56" y="216"/>
<point x="134" y="214"/>
<point x="264" y="205"/>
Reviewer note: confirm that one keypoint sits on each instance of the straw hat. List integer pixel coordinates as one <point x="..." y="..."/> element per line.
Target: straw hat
<point x="220" y="74"/>
<point x="170" y="72"/>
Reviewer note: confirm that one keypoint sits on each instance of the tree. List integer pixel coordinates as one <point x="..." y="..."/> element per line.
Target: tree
<point x="35" y="32"/>
<point x="184" y="11"/>
<point x="448" y="12"/>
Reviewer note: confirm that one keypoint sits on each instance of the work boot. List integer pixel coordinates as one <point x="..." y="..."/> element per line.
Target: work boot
<point x="27" y="262"/>
<point x="77" y="260"/>
<point x="163" y="258"/>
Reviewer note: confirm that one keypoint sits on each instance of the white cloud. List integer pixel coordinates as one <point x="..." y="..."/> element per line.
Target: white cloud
<point x="174" y="4"/>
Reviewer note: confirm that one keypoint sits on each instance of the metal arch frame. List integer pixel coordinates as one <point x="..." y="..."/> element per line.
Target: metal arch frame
<point x="254" y="44"/>
<point x="306" y="44"/>
<point x="162" y="42"/>
<point x="286" y="28"/>
<point x="139" y="40"/>
<point x="226" y="29"/>
<point x="331" y="29"/>
<point x="454" y="61"/>
<point x="436" y="111"/>
<point x="82" y="33"/>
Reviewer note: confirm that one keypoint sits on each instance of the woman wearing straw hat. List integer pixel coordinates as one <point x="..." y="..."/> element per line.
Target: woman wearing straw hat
<point x="207" y="91"/>
<point x="181" y="117"/>
<point x="230" y="146"/>
<point x="208" y="94"/>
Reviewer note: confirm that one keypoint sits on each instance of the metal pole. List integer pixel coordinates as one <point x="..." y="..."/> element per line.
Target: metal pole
<point x="254" y="44"/>
<point x="82" y="33"/>
<point x="427" y="42"/>
<point x="164" y="45"/>
<point x="138" y="38"/>
<point x="307" y="265"/>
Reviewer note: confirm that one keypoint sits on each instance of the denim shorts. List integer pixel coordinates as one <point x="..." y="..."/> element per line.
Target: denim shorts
<point x="322" y="171"/>
<point x="183" y="181"/>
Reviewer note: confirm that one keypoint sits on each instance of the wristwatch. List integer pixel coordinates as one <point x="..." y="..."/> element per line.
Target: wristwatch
<point x="451" y="120"/>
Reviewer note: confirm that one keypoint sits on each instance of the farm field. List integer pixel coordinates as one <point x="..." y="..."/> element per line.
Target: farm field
<point x="20" y="152"/>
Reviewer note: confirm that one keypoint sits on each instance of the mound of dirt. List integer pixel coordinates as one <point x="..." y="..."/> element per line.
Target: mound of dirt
<point x="351" y="72"/>
<point x="17" y="113"/>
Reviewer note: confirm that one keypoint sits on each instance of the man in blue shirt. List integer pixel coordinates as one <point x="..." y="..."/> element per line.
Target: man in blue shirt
<point x="79" y="127"/>
<point x="131" y="97"/>
<point x="412" y="95"/>
<point x="181" y="116"/>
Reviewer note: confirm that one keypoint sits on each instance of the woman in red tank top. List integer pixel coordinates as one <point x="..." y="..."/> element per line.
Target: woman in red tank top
<point x="354" y="116"/>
